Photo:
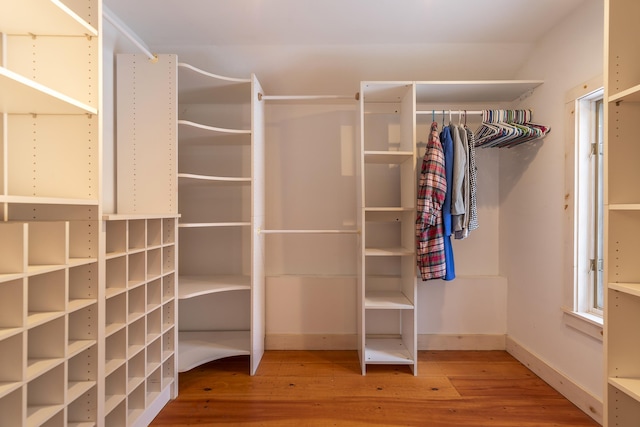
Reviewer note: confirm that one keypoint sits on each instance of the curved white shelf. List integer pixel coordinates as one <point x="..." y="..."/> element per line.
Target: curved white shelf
<point x="53" y="17"/>
<point x="211" y="75"/>
<point x="198" y="347"/>
<point x="20" y="95"/>
<point x="200" y="178"/>
<point x="212" y="129"/>
<point x="193" y="286"/>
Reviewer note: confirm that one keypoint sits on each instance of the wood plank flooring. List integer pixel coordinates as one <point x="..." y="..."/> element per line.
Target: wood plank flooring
<point x="326" y="388"/>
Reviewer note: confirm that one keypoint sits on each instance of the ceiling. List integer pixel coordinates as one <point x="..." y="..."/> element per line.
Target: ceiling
<point x="345" y="22"/>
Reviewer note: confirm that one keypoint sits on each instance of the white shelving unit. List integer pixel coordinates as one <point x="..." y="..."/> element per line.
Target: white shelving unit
<point x="49" y="244"/>
<point x="221" y="202"/>
<point x="387" y="280"/>
<point x="622" y="206"/>
<point x="141" y="245"/>
<point x="140" y="315"/>
<point x="387" y="167"/>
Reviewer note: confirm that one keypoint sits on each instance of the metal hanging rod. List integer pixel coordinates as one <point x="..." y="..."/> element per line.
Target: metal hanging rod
<point x="120" y="26"/>
<point x="441" y="112"/>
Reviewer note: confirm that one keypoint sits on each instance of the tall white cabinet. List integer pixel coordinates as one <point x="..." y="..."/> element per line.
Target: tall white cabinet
<point x="387" y="292"/>
<point x="140" y="256"/>
<point x="50" y="198"/>
<point x="622" y="203"/>
<point x="221" y="202"/>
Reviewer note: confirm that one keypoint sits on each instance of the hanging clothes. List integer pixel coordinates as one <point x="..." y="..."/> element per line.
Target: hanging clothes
<point x="447" y="147"/>
<point x="460" y="176"/>
<point x="473" y="181"/>
<point x="432" y="190"/>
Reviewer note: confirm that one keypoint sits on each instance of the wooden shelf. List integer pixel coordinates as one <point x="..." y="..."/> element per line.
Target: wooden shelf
<point x="629" y="95"/>
<point x="629" y="386"/>
<point x="397" y="251"/>
<point x="387" y="157"/>
<point x="627" y="288"/>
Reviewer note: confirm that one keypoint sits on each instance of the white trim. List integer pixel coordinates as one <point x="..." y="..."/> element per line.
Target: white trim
<point x="580" y="397"/>
<point x="587" y="323"/>
<point x="349" y="342"/>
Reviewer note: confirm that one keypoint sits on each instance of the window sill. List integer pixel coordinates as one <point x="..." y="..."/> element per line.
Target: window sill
<point x="584" y="322"/>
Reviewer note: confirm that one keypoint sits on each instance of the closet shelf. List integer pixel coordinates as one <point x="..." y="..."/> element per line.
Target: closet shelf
<point x="38" y="366"/>
<point x="474" y="90"/>
<point x="53" y="17"/>
<point x="76" y="389"/>
<point x="392" y="300"/>
<point x="193" y="286"/>
<point x="204" y="178"/>
<point x="624" y="207"/>
<point x="213" y="129"/>
<point x="387" y="157"/>
<point x="632" y="95"/>
<point x="627" y="288"/>
<point x="20" y="95"/>
<point x="213" y="224"/>
<point x="397" y="251"/>
<point x="387" y="351"/>
<point x="198" y="347"/>
<point x="38" y="415"/>
<point x="629" y="386"/>
<point x="44" y="200"/>
<point x="7" y="387"/>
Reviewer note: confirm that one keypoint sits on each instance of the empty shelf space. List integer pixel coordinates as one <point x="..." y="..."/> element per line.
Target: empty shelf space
<point x="193" y="286"/>
<point x="214" y="224"/>
<point x="75" y="389"/>
<point x="20" y="95"/>
<point x="198" y="347"/>
<point x="632" y="95"/>
<point x="387" y="300"/>
<point x="629" y="386"/>
<point x="387" y="351"/>
<point x="210" y="129"/>
<point x="627" y="288"/>
<point x="52" y="18"/>
<point x="397" y="251"/>
<point x="387" y="157"/>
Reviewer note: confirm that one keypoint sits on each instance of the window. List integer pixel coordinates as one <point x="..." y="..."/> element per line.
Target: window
<point x="584" y="202"/>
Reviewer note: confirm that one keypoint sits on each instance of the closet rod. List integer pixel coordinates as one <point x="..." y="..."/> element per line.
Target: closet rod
<point x="120" y="26"/>
<point x="309" y="231"/>
<point x="468" y="112"/>
<point x="262" y="97"/>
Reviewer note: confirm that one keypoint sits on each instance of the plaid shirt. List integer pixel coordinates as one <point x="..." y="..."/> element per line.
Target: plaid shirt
<point x="432" y="189"/>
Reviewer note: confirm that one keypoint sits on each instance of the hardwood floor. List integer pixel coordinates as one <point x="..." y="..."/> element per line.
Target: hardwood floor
<point x="325" y="388"/>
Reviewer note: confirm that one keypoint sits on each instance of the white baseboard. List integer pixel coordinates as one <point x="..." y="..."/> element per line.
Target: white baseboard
<point x="461" y="342"/>
<point x="311" y="342"/>
<point x="584" y="400"/>
<point x="350" y="342"/>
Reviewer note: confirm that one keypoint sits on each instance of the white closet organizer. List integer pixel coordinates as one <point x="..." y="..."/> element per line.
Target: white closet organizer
<point x="50" y="191"/>
<point x="622" y="205"/>
<point x="221" y="201"/>
<point x="140" y="261"/>
<point x="387" y="276"/>
<point x="140" y="316"/>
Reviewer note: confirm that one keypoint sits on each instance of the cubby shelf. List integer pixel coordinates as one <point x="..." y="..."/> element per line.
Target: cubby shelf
<point x="142" y="264"/>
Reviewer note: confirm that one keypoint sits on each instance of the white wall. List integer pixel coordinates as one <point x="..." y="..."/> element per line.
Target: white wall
<point x="532" y="203"/>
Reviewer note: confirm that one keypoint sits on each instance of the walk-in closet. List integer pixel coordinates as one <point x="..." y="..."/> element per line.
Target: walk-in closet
<point x="191" y="183"/>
